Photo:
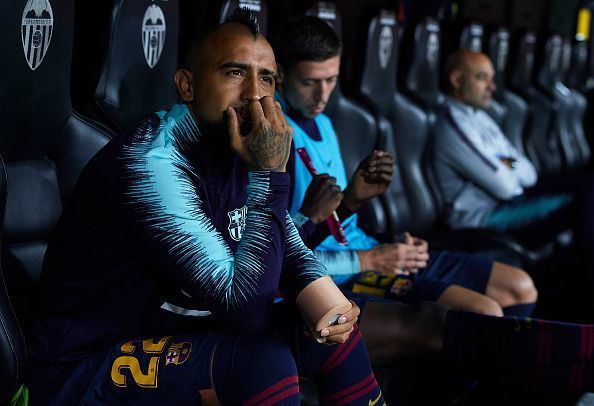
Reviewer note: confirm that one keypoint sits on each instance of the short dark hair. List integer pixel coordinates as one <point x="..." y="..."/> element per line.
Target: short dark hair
<point x="241" y="15"/>
<point x="305" y="38"/>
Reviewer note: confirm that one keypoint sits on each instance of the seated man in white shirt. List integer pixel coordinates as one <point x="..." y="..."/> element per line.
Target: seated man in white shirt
<point x="482" y="177"/>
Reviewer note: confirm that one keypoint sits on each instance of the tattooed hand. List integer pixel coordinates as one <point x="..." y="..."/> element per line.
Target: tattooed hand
<point x="267" y="145"/>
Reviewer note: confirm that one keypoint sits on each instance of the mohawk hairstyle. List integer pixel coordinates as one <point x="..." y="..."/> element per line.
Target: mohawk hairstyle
<point x="241" y="15"/>
<point x="247" y="17"/>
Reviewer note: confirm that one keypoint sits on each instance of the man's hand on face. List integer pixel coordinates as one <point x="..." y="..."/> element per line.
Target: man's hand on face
<point x="400" y="258"/>
<point x="268" y="144"/>
<point x="322" y="197"/>
<point x="371" y="179"/>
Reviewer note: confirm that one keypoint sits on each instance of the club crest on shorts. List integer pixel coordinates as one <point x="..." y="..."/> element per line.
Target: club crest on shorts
<point x="401" y="286"/>
<point x="36" y="31"/>
<point x="178" y="353"/>
<point x="153" y="34"/>
<point x="237" y="222"/>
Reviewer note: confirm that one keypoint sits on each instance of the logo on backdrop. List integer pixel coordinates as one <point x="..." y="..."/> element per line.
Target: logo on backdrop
<point x="253" y="5"/>
<point x="432" y="49"/>
<point x="36" y="31"/>
<point x="502" y="51"/>
<point x="556" y="48"/>
<point x="237" y="222"/>
<point x="153" y="34"/>
<point x="385" y="46"/>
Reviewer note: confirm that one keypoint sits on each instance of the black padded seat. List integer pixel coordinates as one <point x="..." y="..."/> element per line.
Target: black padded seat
<point x="357" y="132"/>
<point x="45" y="144"/>
<point x="138" y="63"/>
<point x="472" y="37"/>
<point x="548" y="80"/>
<point x="516" y="109"/>
<point x="409" y="202"/>
<point x="541" y="144"/>
<point x="12" y="343"/>
<point x="577" y="74"/>
<point x="422" y="75"/>
<point x="573" y="71"/>
<point x="326" y="10"/>
<point x="403" y="125"/>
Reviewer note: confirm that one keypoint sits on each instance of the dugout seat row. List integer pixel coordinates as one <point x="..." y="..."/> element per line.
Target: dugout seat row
<point x="125" y="53"/>
<point x="12" y="344"/>
<point x="125" y="57"/>
<point x="564" y="136"/>
<point x="404" y="127"/>
<point x="412" y="116"/>
<point x="45" y="145"/>
<point x="420" y="95"/>
<point x="516" y="109"/>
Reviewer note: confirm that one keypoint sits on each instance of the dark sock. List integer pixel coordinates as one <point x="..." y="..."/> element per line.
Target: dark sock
<point x="345" y="375"/>
<point x="254" y="370"/>
<point x="520" y="310"/>
<point x="528" y="350"/>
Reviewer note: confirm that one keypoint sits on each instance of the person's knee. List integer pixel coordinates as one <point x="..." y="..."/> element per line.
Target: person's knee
<point x="487" y="306"/>
<point x="511" y="286"/>
<point x="521" y="287"/>
<point x="460" y="298"/>
<point x="524" y="289"/>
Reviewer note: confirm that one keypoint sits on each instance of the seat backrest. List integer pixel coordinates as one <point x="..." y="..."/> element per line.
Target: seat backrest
<point x="516" y="109"/>
<point x="498" y="51"/>
<point x="573" y="66"/>
<point x="556" y="55"/>
<point x="540" y="145"/>
<point x="550" y="71"/>
<point x="258" y="7"/>
<point x="326" y="10"/>
<point x="422" y="83"/>
<point x="472" y="37"/>
<point x="576" y="75"/>
<point x="406" y="128"/>
<point x="357" y="133"/>
<point x="422" y="73"/>
<point x="139" y="60"/>
<point x="44" y="142"/>
<point x="577" y="104"/>
<point x="12" y="344"/>
<point x="356" y="128"/>
<point x="523" y="63"/>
